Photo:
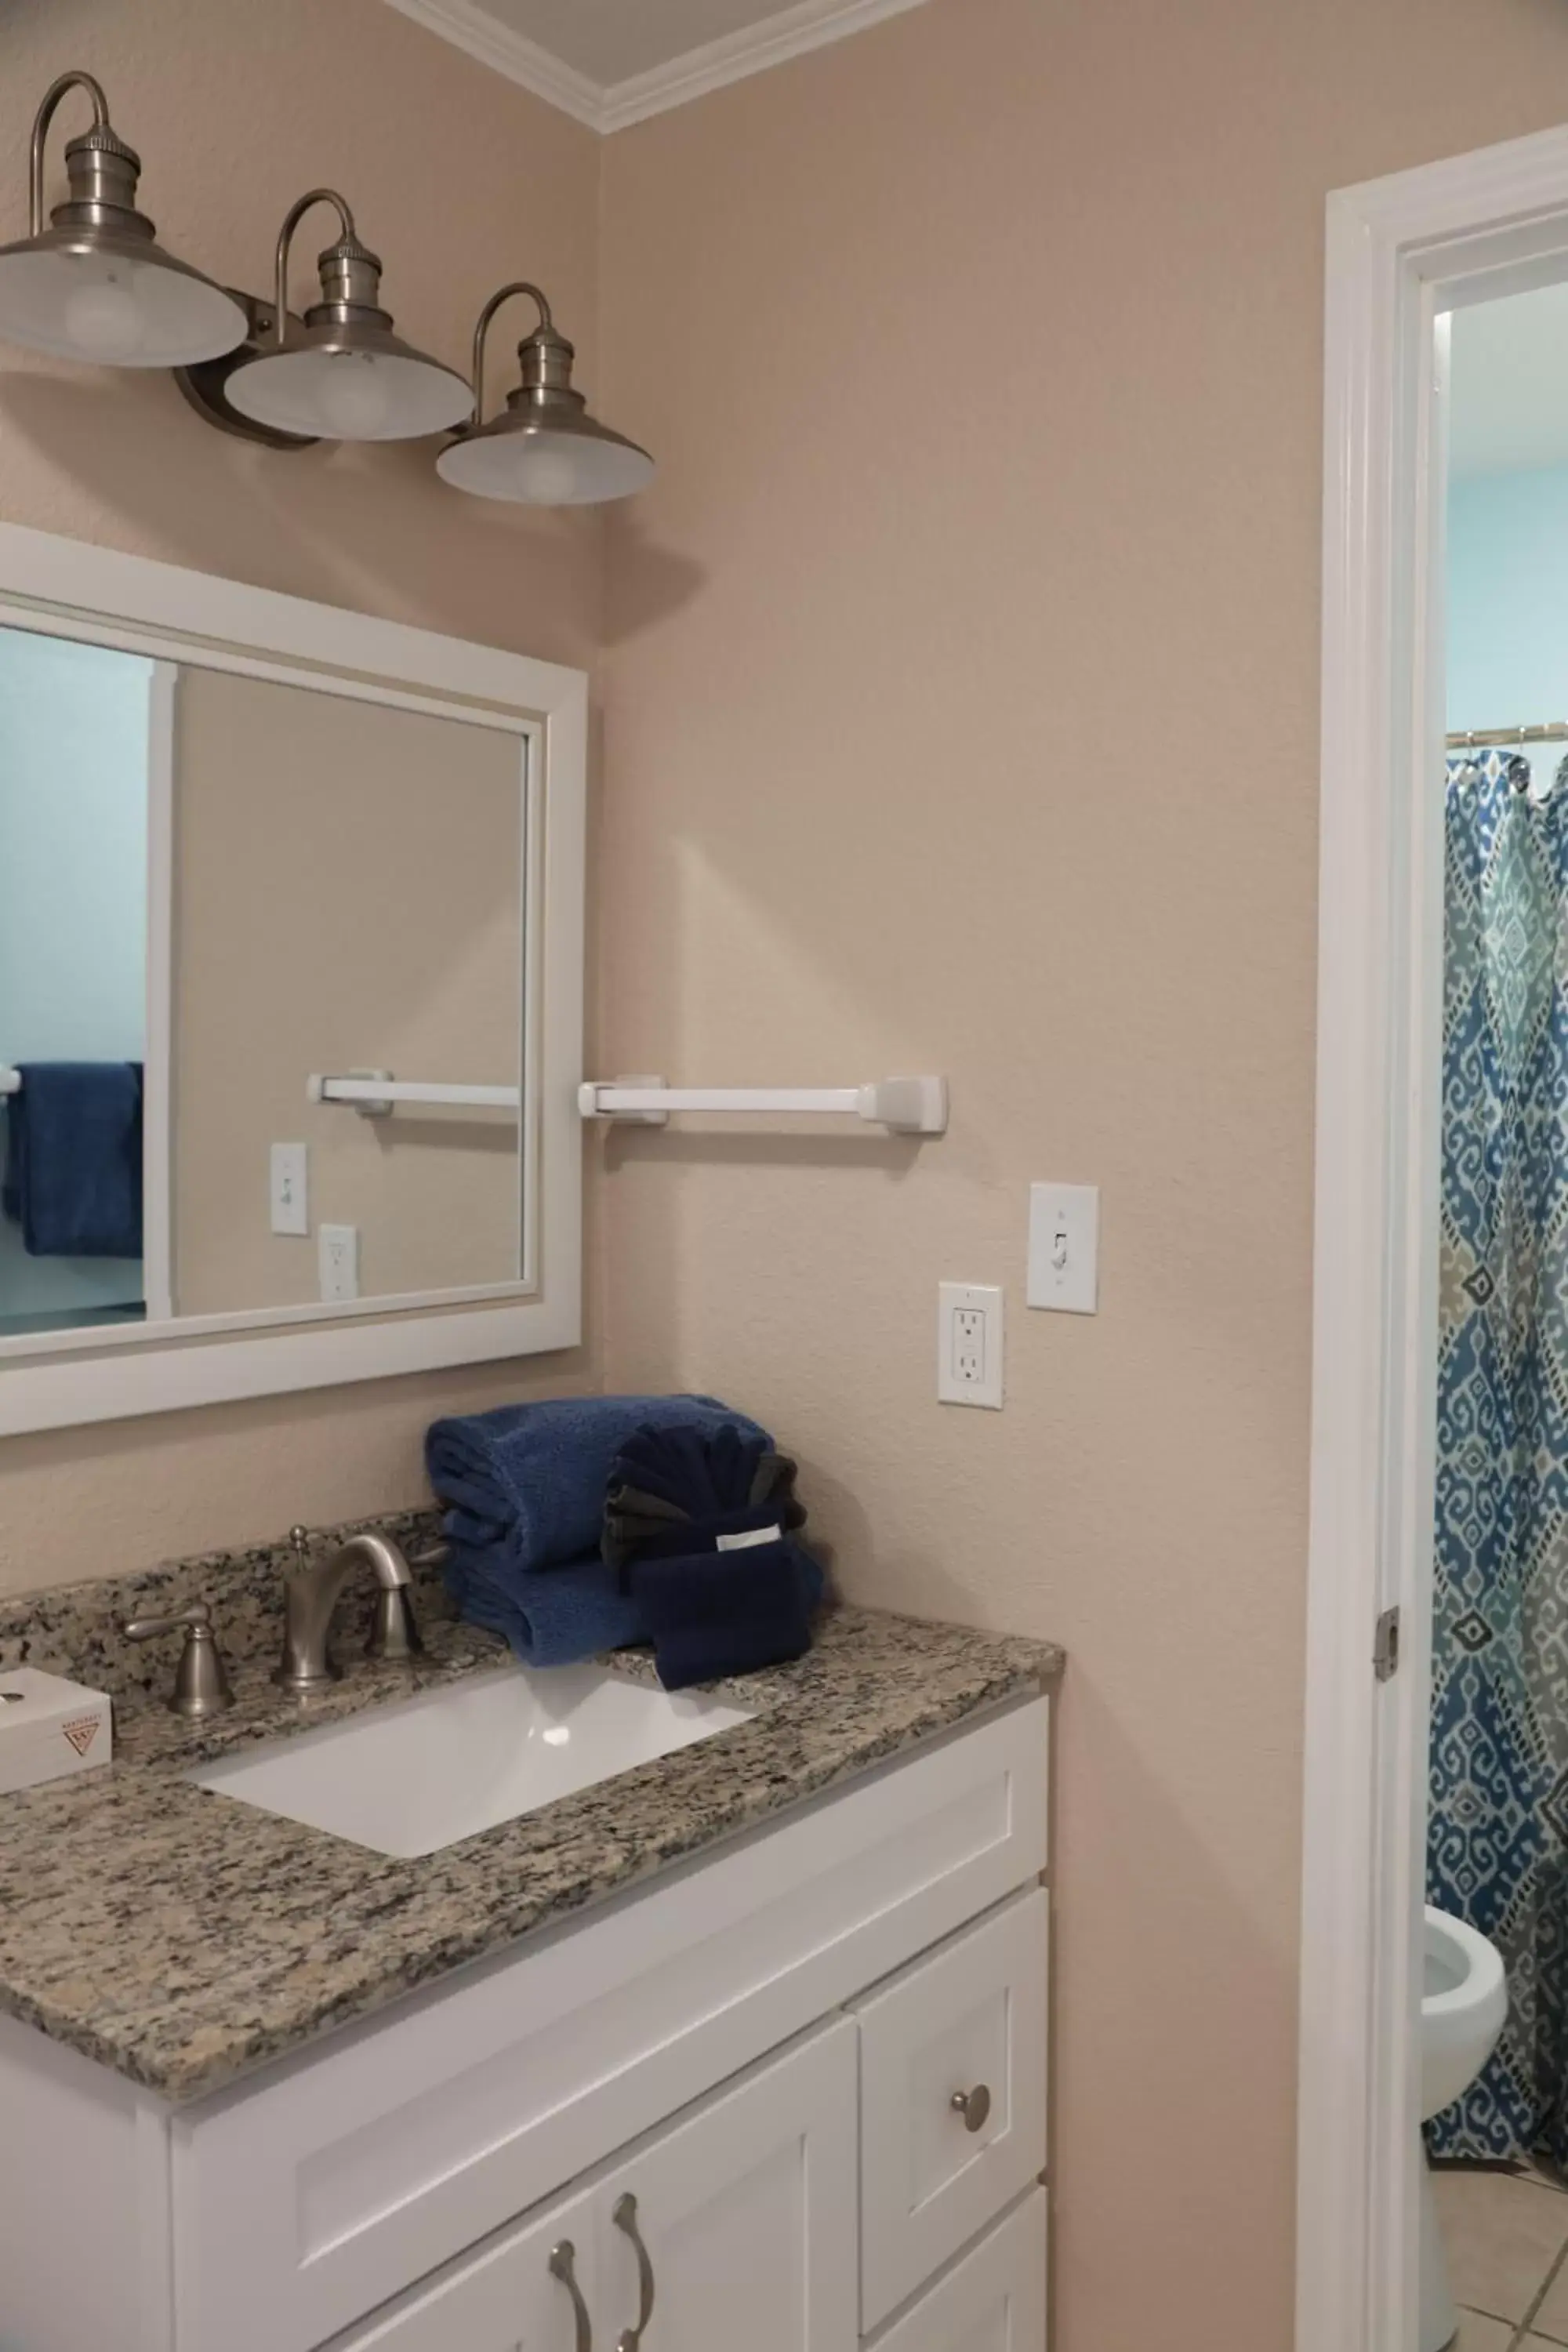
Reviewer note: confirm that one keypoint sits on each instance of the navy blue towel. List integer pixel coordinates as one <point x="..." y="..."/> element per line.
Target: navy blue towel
<point x="73" y="1169"/>
<point x="524" y="1485"/>
<point x="727" y="1612"/>
<point x="552" y="1617"/>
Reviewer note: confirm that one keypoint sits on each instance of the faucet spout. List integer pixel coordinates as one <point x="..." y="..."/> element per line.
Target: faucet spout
<point x="310" y="1600"/>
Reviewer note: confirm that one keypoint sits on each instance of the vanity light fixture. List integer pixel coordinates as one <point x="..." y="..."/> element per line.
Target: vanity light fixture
<point x="340" y="374"/>
<point x="95" y="285"/>
<point x="543" y="448"/>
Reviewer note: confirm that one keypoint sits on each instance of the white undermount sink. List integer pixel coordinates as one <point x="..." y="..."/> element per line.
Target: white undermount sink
<point x="410" y="1778"/>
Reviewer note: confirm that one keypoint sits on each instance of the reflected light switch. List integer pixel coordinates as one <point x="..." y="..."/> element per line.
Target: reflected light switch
<point x="291" y="1200"/>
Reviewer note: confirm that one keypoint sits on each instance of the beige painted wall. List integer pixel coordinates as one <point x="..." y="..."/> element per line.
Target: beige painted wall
<point x="459" y="181"/>
<point x="961" y="715"/>
<point x="348" y="894"/>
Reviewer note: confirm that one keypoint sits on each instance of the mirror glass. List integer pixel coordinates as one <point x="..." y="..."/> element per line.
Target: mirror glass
<point x="219" y="887"/>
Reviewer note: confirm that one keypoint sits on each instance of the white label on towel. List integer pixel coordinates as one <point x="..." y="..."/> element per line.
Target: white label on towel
<point x="746" y="1538"/>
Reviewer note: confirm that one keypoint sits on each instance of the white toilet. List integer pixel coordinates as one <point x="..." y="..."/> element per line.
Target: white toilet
<point x="1464" y="2003"/>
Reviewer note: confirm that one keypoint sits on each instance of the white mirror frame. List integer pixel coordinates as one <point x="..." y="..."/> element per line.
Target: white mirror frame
<point x="67" y="588"/>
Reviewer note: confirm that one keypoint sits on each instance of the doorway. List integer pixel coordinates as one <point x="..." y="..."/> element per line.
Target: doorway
<point x="1405" y="255"/>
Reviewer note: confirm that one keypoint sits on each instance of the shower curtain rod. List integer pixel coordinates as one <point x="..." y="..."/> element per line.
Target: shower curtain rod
<point x="1481" y="739"/>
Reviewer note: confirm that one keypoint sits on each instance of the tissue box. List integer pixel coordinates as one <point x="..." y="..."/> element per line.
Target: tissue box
<point x="50" y="1727"/>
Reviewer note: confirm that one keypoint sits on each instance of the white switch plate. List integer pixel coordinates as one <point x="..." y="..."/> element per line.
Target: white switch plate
<point x="969" y="1344"/>
<point x="1063" y="1248"/>
<point x="338" y="1246"/>
<point x="290" y="1192"/>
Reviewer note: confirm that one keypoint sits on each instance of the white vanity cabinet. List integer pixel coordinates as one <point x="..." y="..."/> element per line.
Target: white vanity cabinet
<point x="815" y="2057"/>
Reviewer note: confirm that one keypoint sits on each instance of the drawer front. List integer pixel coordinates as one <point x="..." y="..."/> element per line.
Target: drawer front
<point x="966" y="2024"/>
<point x="306" y="2200"/>
<point x="994" y="2300"/>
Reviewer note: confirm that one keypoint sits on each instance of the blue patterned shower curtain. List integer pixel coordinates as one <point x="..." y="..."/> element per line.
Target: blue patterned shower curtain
<point x="1497" y="1835"/>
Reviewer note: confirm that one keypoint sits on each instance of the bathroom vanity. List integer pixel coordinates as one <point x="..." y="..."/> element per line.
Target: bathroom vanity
<point x="743" y="2046"/>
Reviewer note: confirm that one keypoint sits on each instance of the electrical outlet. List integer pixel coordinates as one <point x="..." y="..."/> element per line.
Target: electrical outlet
<point x="290" y="1198"/>
<point x="339" y="1253"/>
<point x="969" y="1344"/>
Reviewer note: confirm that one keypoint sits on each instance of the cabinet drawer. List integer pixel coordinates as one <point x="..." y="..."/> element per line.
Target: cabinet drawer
<point x="966" y="2023"/>
<point x="994" y="2300"/>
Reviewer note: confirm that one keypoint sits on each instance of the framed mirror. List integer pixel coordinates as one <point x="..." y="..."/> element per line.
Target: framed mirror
<point x="292" y="906"/>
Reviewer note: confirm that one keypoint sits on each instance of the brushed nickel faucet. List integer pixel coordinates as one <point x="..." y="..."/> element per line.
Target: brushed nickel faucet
<point x="311" y="1594"/>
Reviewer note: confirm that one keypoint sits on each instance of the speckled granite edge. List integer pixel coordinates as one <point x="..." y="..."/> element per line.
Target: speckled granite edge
<point x="184" y="1939"/>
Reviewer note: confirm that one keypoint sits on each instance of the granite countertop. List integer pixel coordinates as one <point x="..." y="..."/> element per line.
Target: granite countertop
<point x="185" y="1938"/>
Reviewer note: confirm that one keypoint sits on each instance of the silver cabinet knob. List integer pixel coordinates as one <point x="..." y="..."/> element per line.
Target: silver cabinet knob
<point x="564" y="2266"/>
<point x="975" y="2106"/>
<point x="625" y="2217"/>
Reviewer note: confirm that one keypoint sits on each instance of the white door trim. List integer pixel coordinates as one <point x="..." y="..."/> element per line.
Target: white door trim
<point x="1400" y="250"/>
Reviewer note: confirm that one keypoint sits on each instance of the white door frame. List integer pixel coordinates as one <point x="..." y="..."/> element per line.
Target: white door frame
<point x="1400" y="251"/>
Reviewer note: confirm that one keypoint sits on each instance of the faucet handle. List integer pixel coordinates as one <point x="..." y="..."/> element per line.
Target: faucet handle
<point x="201" y="1684"/>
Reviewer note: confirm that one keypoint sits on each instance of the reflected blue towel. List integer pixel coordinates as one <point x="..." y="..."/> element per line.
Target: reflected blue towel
<point x="73" y="1168"/>
<point x="552" y="1617"/>
<point x="524" y="1485"/>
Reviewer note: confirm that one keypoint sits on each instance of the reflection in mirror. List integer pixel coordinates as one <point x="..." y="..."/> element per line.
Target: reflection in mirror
<point x="214" y="885"/>
<point x="75" y="735"/>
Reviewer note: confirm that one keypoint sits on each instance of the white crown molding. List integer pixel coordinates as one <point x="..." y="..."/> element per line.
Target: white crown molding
<point x="809" y="24"/>
<point x="476" y="31"/>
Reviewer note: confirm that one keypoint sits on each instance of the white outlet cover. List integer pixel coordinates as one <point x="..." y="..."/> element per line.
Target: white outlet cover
<point x="338" y="1252"/>
<point x="969" y="1344"/>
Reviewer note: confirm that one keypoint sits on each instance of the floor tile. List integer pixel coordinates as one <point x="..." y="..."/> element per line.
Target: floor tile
<point x="1478" y="2334"/>
<point x="1502" y="2234"/>
<point x="1551" y="2319"/>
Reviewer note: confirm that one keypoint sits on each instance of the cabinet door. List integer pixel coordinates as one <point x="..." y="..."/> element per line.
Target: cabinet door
<point x="533" y="2291"/>
<point x="992" y="2300"/>
<point x="738" y="2227"/>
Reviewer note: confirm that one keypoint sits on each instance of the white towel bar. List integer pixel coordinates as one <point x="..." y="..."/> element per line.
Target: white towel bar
<point x="906" y="1106"/>
<point x="375" y="1092"/>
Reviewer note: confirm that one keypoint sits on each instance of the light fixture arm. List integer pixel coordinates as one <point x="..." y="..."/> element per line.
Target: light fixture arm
<point x="41" y="121"/>
<point x="291" y="219"/>
<point x="518" y="286"/>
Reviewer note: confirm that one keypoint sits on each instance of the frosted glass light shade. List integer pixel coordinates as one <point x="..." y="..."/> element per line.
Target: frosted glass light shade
<point x="111" y="308"/>
<point x="545" y="465"/>
<point x="342" y="395"/>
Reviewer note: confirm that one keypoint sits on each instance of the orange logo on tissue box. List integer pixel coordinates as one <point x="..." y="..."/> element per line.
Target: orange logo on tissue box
<point x="81" y="1733"/>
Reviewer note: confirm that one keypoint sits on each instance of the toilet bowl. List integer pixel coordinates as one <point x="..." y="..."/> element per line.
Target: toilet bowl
<point x="1464" y="2003"/>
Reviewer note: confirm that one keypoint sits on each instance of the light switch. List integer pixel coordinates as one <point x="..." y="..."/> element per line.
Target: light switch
<point x="1063" y="1248"/>
<point x="290" y="1198"/>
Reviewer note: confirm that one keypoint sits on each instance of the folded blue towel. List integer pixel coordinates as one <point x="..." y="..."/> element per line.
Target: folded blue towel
<point x="73" y="1168"/>
<point x="552" y="1617"/>
<point x="524" y="1485"/>
<point x="717" y="1613"/>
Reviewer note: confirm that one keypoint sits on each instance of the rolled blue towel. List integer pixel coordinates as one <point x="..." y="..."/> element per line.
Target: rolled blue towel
<point x="525" y="1484"/>
<point x="716" y="1613"/>
<point x="552" y="1617"/>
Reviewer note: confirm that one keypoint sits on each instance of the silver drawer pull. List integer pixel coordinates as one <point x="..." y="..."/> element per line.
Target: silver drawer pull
<point x="624" y="2217"/>
<point x="564" y="2266"/>
<point x="975" y="2106"/>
